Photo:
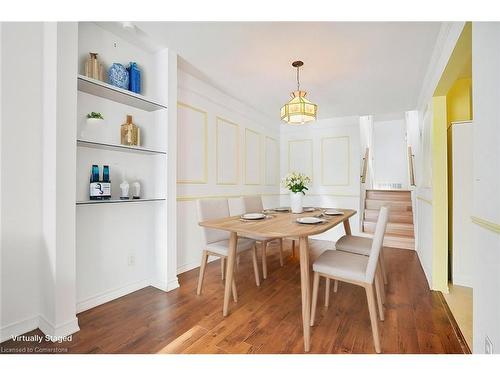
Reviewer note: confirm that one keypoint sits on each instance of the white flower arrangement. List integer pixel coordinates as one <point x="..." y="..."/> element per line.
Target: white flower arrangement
<point x="296" y="182"/>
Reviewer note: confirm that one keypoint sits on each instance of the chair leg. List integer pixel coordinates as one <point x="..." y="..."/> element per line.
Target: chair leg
<point x="335" y="286"/>
<point x="255" y="265"/>
<point x="378" y="291"/>
<point x="204" y="260"/>
<point x="372" y="309"/>
<point x="281" y="252"/>
<point x="235" y="293"/>
<point x="314" y="297"/>
<point x="327" y="291"/>
<point x="222" y="262"/>
<point x="293" y="248"/>
<point x="264" y="259"/>
<point x="381" y="259"/>
<point x="382" y="285"/>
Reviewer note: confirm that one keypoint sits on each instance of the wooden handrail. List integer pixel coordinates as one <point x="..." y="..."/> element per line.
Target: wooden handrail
<point x="411" y="166"/>
<point x="365" y="166"/>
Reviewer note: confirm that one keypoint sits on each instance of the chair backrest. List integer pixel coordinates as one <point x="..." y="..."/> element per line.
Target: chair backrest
<point x="209" y="209"/>
<point x="377" y="243"/>
<point x="236" y="206"/>
<point x="252" y="203"/>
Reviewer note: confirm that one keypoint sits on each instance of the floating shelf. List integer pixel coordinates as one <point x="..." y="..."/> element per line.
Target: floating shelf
<point x="116" y="94"/>
<point x="116" y="201"/>
<point x="115" y="147"/>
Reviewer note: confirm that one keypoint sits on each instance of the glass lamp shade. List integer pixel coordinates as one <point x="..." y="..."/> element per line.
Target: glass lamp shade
<point x="299" y="110"/>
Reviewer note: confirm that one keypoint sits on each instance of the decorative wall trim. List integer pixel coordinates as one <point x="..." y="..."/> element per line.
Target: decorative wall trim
<point x="247" y="130"/>
<point x="348" y="161"/>
<point x="486" y="224"/>
<point x="205" y="144"/>
<point x="18" y="328"/>
<point x="218" y="121"/>
<point x="107" y="296"/>
<point x="60" y="330"/>
<point x="328" y="195"/>
<point x="424" y="200"/>
<point x="312" y="154"/>
<point x="185" y="198"/>
<point x="277" y="161"/>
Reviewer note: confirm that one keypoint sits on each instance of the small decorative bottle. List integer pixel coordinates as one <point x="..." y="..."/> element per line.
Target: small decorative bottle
<point x="134" y="78"/>
<point x="93" y="69"/>
<point x="130" y="133"/>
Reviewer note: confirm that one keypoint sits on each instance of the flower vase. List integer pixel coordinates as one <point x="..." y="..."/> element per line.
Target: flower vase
<point x="296" y="203"/>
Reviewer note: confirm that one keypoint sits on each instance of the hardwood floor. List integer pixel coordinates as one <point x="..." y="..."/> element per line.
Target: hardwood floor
<point x="265" y="319"/>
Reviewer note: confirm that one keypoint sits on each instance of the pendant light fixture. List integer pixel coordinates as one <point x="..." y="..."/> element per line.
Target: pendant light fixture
<point x="298" y="110"/>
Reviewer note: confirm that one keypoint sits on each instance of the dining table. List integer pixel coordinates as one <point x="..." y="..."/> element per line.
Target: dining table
<point x="279" y="224"/>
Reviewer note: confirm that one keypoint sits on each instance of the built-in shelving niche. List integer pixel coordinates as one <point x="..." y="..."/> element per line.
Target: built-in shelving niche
<point x="119" y="243"/>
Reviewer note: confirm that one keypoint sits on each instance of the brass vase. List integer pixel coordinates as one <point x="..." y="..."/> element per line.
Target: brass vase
<point x="130" y="133"/>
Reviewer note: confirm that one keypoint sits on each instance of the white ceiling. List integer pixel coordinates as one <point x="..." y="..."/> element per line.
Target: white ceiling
<point x="350" y="68"/>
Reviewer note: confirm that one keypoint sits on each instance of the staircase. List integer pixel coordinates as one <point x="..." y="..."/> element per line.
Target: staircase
<point x="399" y="232"/>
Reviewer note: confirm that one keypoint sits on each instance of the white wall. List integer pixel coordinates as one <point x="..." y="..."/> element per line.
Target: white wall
<point x="329" y="152"/>
<point x="225" y="149"/>
<point x="423" y="191"/>
<point x="486" y="198"/>
<point x="389" y="153"/>
<point x="21" y="157"/>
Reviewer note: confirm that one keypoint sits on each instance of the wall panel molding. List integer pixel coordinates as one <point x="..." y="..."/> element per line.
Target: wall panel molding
<point x="268" y="163"/>
<point x="294" y="163"/>
<point x="337" y="161"/>
<point x="486" y="224"/>
<point x="225" y="162"/>
<point x="204" y="144"/>
<point x="249" y="156"/>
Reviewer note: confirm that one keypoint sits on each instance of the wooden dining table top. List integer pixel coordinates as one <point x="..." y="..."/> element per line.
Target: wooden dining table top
<point x="280" y="224"/>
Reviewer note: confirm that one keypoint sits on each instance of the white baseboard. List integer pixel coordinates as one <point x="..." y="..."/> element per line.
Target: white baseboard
<point x="192" y="265"/>
<point x="110" y="295"/>
<point x="173" y="284"/>
<point x="59" y="330"/>
<point x="18" y="328"/>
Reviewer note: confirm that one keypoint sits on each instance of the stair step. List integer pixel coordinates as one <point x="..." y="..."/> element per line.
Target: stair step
<point x="400" y="242"/>
<point x="389" y="195"/>
<point x="394" y="216"/>
<point x="400" y="229"/>
<point x="375" y="204"/>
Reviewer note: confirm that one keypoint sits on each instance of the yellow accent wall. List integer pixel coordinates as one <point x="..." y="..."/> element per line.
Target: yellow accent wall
<point x="459" y="101"/>
<point x="439" y="194"/>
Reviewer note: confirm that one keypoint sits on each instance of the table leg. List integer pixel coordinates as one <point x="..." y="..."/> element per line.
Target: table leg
<point x="347" y="227"/>
<point x="305" y="286"/>
<point x="231" y="259"/>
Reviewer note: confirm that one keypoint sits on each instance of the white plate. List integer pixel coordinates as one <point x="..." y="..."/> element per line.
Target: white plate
<point x="282" y="209"/>
<point x="310" y="220"/>
<point x="309" y="209"/>
<point x="333" y="212"/>
<point x="253" y="216"/>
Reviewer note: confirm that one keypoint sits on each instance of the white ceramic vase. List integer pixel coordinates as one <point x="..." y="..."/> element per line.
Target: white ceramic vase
<point x="91" y="129"/>
<point x="296" y="203"/>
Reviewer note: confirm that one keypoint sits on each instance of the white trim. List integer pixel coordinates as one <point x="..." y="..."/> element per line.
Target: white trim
<point x="110" y="295"/>
<point x="445" y="43"/>
<point x="192" y="265"/>
<point x="173" y="284"/>
<point x="18" y="328"/>
<point x="60" y="330"/>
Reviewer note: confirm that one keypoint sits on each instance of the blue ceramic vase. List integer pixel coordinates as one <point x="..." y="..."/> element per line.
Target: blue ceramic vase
<point x="118" y="76"/>
<point x="134" y="78"/>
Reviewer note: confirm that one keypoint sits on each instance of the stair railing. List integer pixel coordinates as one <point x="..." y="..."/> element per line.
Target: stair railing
<point x="411" y="166"/>
<point x="364" y="167"/>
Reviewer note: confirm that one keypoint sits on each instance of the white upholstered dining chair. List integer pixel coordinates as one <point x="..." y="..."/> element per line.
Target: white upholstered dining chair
<point x="356" y="269"/>
<point x="251" y="204"/>
<point x="216" y="242"/>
